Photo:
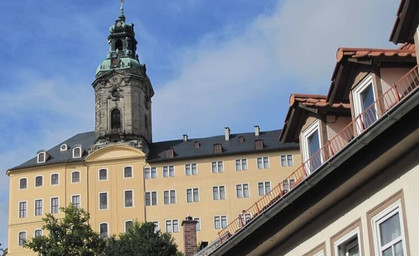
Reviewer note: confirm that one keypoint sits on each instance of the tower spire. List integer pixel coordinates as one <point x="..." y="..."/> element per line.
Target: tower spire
<point x="122" y="14"/>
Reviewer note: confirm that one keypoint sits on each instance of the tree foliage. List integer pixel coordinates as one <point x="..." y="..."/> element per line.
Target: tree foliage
<point x="3" y="251"/>
<point x="69" y="236"/>
<point x="141" y="239"/>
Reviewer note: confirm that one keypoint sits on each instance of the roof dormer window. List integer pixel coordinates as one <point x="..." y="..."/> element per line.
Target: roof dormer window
<point x="218" y="149"/>
<point x="77" y="151"/>
<point x="41" y="157"/>
<point x="197" y="144"/>
<point x="241" y="139"/>
<point x="63" y="147"/>
<point x="259" y="144"/>
<point x="170" y="153"/>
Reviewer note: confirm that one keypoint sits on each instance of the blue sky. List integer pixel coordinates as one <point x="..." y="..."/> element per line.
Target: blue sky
<point x="212" y="64"/>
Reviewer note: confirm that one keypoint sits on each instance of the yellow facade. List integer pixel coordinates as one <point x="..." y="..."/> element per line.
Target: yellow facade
<point x="114" y="159"/>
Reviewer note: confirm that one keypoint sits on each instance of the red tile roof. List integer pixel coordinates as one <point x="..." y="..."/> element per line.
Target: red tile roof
<point x="368" y="52"/>
<point x="311" y="100"/>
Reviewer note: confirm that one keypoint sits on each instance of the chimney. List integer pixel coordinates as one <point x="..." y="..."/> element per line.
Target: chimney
<point x="227" y="133"/>
<point x="185" y="137"/>
<point x="257" y="130"/>
<point x="189" y="236"/>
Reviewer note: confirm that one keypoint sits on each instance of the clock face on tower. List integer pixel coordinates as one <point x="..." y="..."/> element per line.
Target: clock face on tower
<point x="118" y="24"/>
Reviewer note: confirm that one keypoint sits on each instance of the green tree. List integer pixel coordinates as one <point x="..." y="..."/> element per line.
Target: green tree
<point x="3" y="251"/>
<point x="69" y="236"/>
<point x="141" y="239"/>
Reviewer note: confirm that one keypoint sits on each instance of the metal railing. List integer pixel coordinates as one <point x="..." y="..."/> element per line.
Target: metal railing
<point x="402" y="88"/>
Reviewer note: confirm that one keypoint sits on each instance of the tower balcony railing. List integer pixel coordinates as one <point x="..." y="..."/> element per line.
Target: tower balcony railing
<point x="397" y="93"/>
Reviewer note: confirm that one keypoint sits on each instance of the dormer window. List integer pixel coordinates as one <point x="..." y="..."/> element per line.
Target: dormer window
<point x="218" y="149"/>
<point x="77" y="151"/>
<point x="241" y="139"/>
<point x="41" y="157"/>
<point x="259" y="144"/>
<point x="364" y="103"/>
<point x="197" y="144"/>
<point x="63" y="147"/>
<point x="311" y="145"/>
<point x="170" y="153"/>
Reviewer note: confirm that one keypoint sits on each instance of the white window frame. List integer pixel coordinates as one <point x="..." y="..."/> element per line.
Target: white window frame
<point x="26" y="209"/>
<point x="218" y="193"/>
<point x="107" y="201"/>
<point x="26" y="183"/>
<point x="167" y="167"/>
<point x="240" y="187"/>
<point x="107" y="229"/>
<point x="156" y="226"/>
<point x="38" y="229"/>
<point x="74" y="152"/>
<point x="198" y="223"/>
<point x="34" y="207"/>
<point x="263" y="165"/>
<point x="240" y="163"/>
<point x="315" y="126"/>
<point x="356" y="96"/>
<point x="18" y="238"/>
<point x="265" y="191"/>
<point x="286" y="164"/>
<point x="172" y="226"/>
<point x="151" y="198"/>
<point x="125" y="224"/>
<point x="217" y="166"/>
<point x="190" y="167"/>
<point x="43" y="181"/>
<point x="192" y="195"/>
<point x="73" y="182"/>
<point x="132" y="172"/>
<point x="71" y="201"/>
<point x="50" y="204"/>
<point x="220" y="220"/>
<point x="58" y="179"/>
<point x="125" y="199"/>
<point x="169" y="197"/>
<point x="38" y="161"/>
<point x="345" y="239"/>
<point x="382" y="217"/>
<point x="98" y="174"/>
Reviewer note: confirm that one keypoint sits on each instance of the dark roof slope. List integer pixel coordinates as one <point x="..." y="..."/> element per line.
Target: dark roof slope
<point x="182" y="149"/>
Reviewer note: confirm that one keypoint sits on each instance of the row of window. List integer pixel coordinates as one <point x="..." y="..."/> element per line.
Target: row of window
<point x="387" y="234"/>
<point x="75" y="177"/>
<point x="216" y="167"/>
<point x="172" y="226"/>
<point x="218" y="193"/>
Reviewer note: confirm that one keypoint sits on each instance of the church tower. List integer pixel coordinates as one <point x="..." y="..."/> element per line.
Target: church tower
<point x="123" y="91"/>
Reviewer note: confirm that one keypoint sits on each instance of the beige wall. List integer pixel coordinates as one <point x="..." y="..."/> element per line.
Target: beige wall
<point x="114" y="159"/>
<point x="360" y="213"/>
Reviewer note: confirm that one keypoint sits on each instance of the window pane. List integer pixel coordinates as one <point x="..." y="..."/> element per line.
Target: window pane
<point x="128" y="225"/>
<point x="153" y="172"/>
<point x="128" y="172"/>
<point x="103" y="204"/>
<point x="215" y="193"/>
<point x="103" y="230"/>
<point x="23" y="183"/>
<point x="261" y="188"/>
<point x="390" y="229"/>
<point x="283" y="162"/>
<point x="220" y="166"/>
<point x="398" y="249"/>
<point x="238" y="165"/>
<point x="222" y="193"/>
<point x="128" y="198"/>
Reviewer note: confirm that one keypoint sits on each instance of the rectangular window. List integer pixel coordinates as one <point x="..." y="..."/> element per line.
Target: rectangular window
<point x="169" y="197"/>
<point x="54" y="179"/>
<point x="388" y="231"/>
<point x="103" y="230"/>
<point x="220" y="222"/>
<point x="264" y="188"/>
<point x="192" y="195"/>
<point x="128" y="172"/>
<point x="103" y="201"/>
<point x="128" y="198"/>
<point x="191" y="169"/>
<point x="288" y="184"/>
<point x="168" y="171"/>
<point x="150" y="198"/>
<point x="364" y="103"/>
<point x="39" y="181"/>
<point x="23" y="183"/>
<point x="262" y="162"/>
<point x="218" y="193"/>
<point x="38" y="207"/>
<point x="103" y="174"/>
<point x="242" y="190"/>
<point x="311" y="147"/>
<point x="22" y="238"/>
<point x="198" y="223"/>
<point x="172" y="226"/>
<point x="75" y="177"/>
<point x="54" y="205"/>
<point x="22" y="209"/>
<point x="217" y="167"/>
<point x="287" y="160"/>
<point x="38" y="233"/>
<point x="156" y="226"/>
<point x="241" y="164"/>
<point x="75" y="200"/>
<point x="150" y="173"/>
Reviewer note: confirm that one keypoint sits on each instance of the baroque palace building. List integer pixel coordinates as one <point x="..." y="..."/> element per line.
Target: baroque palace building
<point x="119" y="175"/>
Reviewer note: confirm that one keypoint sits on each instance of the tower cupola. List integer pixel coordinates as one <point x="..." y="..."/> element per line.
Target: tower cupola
<point x="123" y="90"/>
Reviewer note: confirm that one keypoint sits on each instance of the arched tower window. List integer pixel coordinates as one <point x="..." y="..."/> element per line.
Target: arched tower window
<point x="118" y="45"/>
<point x="115" y="119"/>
